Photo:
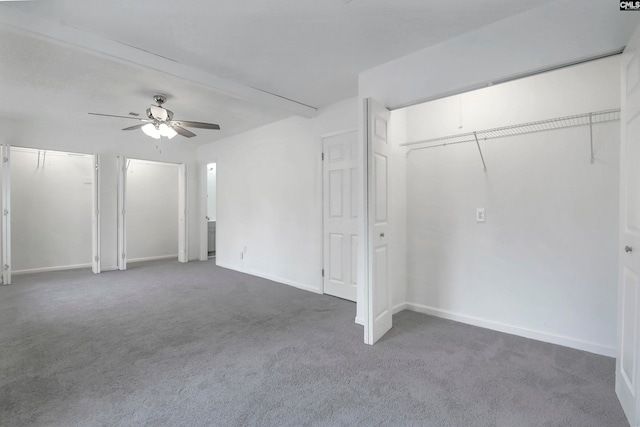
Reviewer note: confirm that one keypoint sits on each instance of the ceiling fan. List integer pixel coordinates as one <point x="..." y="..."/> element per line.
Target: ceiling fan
<point x="159" y="121"/>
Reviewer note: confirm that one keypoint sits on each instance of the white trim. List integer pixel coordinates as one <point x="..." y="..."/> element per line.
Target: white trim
<point x="399" y="307"/>
<point x="5" y="264"/>
<point x="511" y="329"/>
<point x="337" y="133"/>
<point x="183" y="213"/>
<point x="121" y="240"/>
<point x="274" y="279"/>
<point x="359" y="321"/>
<point x="153" y="258"/>
<point x="96" y="262"/>
<point x="58" y="268"/>
<point x="202" y="215"/>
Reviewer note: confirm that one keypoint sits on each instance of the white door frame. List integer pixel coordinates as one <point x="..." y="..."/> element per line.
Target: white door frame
<point x="204" y="218"/>
<point x="121" y="209"/>
<point x="95" y="217"/>
<point x="183" y="234"/>
<point x="183" y="226"/>
<point x="204" y="193"/>
<point x="5" y="203"/>
<point x="6" y="214"/>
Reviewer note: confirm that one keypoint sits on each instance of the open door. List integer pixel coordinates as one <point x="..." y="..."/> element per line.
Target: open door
<point x="95" y="217"/>
<point x="6" y="214"/>
<point x="628" y="356"/>
<point x="340" y="214"/>
<point x="183" y="255"/>
<point x="377" y="288"/>
<point x="122" y="230"/>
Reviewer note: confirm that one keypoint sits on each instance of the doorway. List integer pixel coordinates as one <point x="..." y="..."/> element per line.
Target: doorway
<point x="211" y="210"/>
<point x="53" y="224"/>
<point x="151" y="211"/>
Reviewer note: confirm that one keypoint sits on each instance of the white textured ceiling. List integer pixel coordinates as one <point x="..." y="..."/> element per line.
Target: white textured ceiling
<point x="309" y="51"/>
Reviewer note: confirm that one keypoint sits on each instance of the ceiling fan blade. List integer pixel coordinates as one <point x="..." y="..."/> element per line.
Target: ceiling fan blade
<point x="200" y="125"/>
<point x="158" y="112"/>
<point x="111" y="115"/>
<point x="138" y="126"/>
<point x="182" y="131"/>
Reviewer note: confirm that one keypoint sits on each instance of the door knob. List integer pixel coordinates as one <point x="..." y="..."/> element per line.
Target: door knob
<point x="381" y="234"/>
<point x="628" y="249"/>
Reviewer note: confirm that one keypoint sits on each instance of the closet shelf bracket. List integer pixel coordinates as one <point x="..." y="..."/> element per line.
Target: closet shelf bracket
<point x="591" y="137"/>
<point x="484" y="165"/>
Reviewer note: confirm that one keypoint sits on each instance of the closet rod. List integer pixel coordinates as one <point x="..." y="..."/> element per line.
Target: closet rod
<point x="519" y="129"/>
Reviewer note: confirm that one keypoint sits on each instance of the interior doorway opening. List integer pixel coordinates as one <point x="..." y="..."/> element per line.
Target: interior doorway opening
<point x="150" y="194"/>
<point x="211" y="210"/>
<point x="52" y="197"/>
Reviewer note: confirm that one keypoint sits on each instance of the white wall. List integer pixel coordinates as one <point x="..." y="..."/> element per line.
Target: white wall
<point x="211" y="191"/>
<point x="152" y="210"/>
<point x="51" y="204"/>
<point x="544" y="264"/>
<point x="269" y="196"/>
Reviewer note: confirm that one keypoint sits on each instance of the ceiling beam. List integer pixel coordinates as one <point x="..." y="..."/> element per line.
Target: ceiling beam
<point x="48" y="30"/>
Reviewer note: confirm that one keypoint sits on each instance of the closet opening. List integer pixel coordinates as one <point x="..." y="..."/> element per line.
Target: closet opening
<point x="149" y="195"/>
<point x="51" y="196"/>
<point x="504" y="206"/>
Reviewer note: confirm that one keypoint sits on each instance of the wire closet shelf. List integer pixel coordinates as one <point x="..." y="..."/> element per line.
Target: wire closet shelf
<point x="519" y="129"/>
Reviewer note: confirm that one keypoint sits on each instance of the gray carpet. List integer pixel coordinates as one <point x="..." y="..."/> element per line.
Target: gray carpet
<point x="169" y="344"/>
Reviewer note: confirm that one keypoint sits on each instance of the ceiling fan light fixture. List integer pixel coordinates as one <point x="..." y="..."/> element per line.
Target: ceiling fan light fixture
<point x="167" y="131"/>
<point x="150" y="130"/>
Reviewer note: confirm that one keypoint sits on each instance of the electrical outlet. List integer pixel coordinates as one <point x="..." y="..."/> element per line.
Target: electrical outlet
<point x="480" y="215"/>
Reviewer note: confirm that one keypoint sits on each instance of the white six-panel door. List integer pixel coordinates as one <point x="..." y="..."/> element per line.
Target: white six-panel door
<point x="377" y="289"/>
<point x="340" y="212"/>
<point x="628" y="356"/>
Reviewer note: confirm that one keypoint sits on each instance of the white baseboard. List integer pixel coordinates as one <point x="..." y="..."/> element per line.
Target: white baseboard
<point x="399" y="307"/>
<point x="510" y="329"/>
<point x="152" y="258"/>
<point x="44" y="269"/>
<point x="274" y="278"/>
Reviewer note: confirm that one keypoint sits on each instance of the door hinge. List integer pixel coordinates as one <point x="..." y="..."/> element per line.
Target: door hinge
<point x="6" y="267"/>
<point x="123" y="256"/>
<point x="6" y="212"/>
<point x="96" y="259"/>
<point x="322" y="156"/>
<point x="5" y="159"/>
<point x="323" y="272"/>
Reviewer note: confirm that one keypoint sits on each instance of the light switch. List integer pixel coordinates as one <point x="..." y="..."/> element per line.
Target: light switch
<point x="480" y="215"/>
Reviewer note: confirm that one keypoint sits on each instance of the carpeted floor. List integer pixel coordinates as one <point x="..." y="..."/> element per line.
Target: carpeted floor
<point x="169" y="344"/>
